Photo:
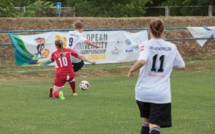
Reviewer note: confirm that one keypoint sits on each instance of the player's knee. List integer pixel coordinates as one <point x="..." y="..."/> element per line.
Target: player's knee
<point x="55" y="94"/>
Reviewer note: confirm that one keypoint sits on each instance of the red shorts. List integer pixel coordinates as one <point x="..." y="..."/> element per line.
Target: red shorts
<point x="62" y="79"/>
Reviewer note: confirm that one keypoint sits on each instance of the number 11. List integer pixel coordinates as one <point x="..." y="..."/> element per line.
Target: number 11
<point x="161" y="63"/>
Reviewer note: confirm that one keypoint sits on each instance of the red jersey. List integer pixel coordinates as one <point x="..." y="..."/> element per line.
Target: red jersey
<point x="63" y="63"/>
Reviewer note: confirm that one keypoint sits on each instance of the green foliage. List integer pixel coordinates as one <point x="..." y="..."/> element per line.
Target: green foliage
<point x="101" y="8"/>
<point x="7" y="9"/>
<point x="188" y="2"/>
<point x="184" y="10"/>
<point x="40" y="9"/>
<point x="111" y="8"/>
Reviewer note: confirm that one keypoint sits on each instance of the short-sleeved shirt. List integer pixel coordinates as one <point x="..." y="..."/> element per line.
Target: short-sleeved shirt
<point x="63" y="63"/>
<point x="75" y="41"/>
<point x="153" y="84"/>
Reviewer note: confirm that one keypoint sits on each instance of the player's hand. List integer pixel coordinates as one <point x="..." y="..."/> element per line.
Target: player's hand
<point x="130" y="74"/>
<point x="93" y="62"/>
<point x="99" y="46"/>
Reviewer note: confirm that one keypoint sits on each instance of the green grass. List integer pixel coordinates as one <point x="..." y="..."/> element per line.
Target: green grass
<point x="108" y="107"/>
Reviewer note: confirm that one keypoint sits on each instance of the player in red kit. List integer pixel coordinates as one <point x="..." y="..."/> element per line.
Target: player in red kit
<point x="64" y="69"/>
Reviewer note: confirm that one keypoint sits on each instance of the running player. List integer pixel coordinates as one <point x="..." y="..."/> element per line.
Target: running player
<point x="156" y="60"/>
<point x="64" y="70"/>
<point x="75" y="40"/>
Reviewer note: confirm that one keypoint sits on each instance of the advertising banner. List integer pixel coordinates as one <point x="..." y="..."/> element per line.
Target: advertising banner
<point x="116" y="46"/>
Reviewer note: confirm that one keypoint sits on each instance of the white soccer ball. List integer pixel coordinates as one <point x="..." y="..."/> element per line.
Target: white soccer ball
<point x="84" y="85"/>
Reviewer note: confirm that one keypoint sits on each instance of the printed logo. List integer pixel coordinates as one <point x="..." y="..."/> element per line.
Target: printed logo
<point x="116" y="51"/>
<point x="118" y="42"/>
<point x="137" y="42"/>
<point x="42" y="52"/>
<point x="127" y="42"/>
<point x="142" y="48"/>
<point x="129" y="50"/>
<point x="132" y="49"/>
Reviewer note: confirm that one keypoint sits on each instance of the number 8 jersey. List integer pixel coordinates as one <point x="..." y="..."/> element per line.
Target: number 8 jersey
<point x="153" y="84"/>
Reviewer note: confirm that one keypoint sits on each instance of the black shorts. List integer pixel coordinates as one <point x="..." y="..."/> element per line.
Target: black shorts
<point x="78" y="66"/>
<point x="159" y="114"/>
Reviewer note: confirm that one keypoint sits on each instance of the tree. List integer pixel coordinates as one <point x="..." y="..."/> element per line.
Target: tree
<point x="7" y="9"/>
<point x="183" y="8"/>
<point x="110" y="8"/>
<point x="40" y="9"/>
<point x="188" y="2"/>
<point x="63" y="2"/>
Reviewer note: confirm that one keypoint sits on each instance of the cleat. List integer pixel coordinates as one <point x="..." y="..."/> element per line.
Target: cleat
<point x="61" y="95"/>
<point x="50" y="92"/>
<point x="74" y="94"/>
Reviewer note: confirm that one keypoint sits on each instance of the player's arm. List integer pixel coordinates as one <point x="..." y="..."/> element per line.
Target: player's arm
<point x="52" y="58"/>
<point x="91" y="43"/>
<point x="136" y="67"/>
<point x="178" y="62"/>
<point x="81" y="57"/>
<point x="143" y="56"/>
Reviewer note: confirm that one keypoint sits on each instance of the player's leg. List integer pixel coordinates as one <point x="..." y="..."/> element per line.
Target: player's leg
<point x="144" y="109"/>
<point x="57" y="93"/>
<point x="51" y="90"/>
<point x="145" y="126"/>
<point x="160" y="116"/>
<point x="72" y="84"/>
<point x="78" y="66"/>
<point x="154" y="129"/>
<point x="58" y="84"/>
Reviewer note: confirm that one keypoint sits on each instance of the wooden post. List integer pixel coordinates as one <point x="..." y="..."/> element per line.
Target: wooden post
<point x="166" y="11"/>
<point x="210" y="10"/>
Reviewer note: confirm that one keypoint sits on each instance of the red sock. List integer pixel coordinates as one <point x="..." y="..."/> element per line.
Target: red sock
<point x="55" y="94"/>
<point x="72" y="85"/>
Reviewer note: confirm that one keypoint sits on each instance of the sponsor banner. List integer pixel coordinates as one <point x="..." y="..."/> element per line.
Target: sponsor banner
<point x="116" y="46"/>
<point x="202" y="32"/>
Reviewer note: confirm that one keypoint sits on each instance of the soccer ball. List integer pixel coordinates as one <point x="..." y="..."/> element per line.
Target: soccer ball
<point x="84" y="85"/>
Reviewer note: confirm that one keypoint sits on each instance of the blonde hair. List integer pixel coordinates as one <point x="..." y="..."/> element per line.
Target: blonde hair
<point x="78" y="25"/>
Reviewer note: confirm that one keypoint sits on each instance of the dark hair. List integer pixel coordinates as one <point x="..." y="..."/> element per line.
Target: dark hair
<point x="59" y="45"/>
<point x="156" y="26"/>
<point x="78" y="25"/>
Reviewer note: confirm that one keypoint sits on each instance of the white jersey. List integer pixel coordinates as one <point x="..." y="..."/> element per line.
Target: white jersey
<point x="75" y="41"/>
<point x="153" y="84"/>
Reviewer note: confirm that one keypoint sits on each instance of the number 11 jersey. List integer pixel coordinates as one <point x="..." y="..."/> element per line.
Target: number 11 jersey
<point x="153" y="84"/>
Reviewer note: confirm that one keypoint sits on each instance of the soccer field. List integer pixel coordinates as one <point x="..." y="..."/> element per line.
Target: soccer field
<point x="108" y="107"/>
